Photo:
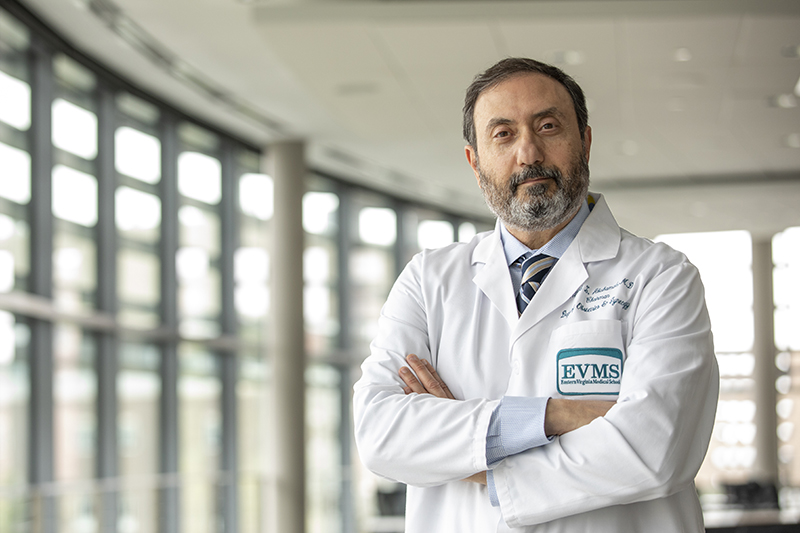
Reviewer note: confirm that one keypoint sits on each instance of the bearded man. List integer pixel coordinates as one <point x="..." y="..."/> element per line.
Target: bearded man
<point x="556" y="374"/>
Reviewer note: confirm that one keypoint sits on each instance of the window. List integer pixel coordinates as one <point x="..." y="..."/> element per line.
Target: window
<point x="320" y="268"/>
<point x="786" y="288"/>
<point x="137" y="160"/>
<point x="724" y="260"/>
<point x="139" y="392"/>
<point x="200" y="186"/>
<point x="200" y="430"/>
<point x="15" y="159"/>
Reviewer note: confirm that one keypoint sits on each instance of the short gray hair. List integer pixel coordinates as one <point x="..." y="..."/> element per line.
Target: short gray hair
<point x="512" y="66"/>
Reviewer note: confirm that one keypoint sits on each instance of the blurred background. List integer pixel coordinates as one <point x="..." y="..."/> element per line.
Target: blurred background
<point x="182" y="181"/>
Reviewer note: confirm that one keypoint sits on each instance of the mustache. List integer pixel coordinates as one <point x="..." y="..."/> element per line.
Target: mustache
<point x="532" y="172"/>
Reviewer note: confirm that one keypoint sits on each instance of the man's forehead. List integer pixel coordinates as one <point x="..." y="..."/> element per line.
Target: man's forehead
<point x="529" y="91"/>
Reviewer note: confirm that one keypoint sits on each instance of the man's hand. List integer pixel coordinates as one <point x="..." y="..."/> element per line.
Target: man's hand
<point x="563" y="416"/>
<point x="426" y="381"/>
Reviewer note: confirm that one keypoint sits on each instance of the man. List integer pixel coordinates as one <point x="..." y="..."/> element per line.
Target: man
<point x="564" y="377"/>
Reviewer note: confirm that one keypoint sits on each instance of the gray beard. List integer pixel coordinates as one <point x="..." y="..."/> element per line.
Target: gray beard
<point x="533" y="210"/>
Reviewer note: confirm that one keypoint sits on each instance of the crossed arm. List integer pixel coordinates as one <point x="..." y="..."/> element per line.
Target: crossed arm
<point x="561" y="415"/>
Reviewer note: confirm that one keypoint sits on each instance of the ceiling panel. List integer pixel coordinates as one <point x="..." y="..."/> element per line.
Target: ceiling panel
<point x="344" y="67"/>
<point x="438" y="62"/>
<point x="654" y="42"/>
<point x="764" y="38"/>
<point x="383" y="83"/>
<point x="585" y="49"/>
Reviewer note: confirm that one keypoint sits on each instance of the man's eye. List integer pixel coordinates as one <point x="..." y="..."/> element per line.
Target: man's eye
<point x="548" y="126"/>
<point x="502" y="134"/>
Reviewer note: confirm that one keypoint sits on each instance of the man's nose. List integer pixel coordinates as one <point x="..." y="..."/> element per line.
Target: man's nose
<point x="529" y="151"/>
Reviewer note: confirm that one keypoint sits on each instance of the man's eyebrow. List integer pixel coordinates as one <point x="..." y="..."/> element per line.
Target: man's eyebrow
<point x="498" y="121"/>
<point x="549" y="112"/>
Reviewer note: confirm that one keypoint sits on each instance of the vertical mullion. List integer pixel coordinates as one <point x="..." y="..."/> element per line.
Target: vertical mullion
<point x="346" y="502"/>
<point x="454" y="221"/>
<point x="41" y="460"/>
<point x="344" y="240"/>
<point x="169" y="501"/>
<point x="400" y="243"/>
<point x="228" y="361"/>
<point x="107" y="361"/>
<point x="343" y="245"/>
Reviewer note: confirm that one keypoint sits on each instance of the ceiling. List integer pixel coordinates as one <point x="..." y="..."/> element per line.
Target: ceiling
<point x="693" y="104"/>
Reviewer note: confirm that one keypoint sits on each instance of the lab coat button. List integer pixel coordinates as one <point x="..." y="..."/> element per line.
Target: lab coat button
<point x="515" y="366"/>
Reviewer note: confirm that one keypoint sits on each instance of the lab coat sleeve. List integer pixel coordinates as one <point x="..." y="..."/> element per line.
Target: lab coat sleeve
<point x="416" y="439"/>
<point x="652" y="442"/>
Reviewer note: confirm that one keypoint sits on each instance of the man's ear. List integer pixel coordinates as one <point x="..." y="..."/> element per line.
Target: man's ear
<point x="587" y="141"/>
<point x="472" y="159"/>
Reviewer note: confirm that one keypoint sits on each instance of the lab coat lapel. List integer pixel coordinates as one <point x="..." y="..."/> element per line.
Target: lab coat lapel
<point x="597" y="240"/>
<point x="493" y="278"/>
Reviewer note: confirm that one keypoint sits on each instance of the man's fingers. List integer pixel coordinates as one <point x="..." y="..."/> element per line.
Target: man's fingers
<point x="411" y="381"/>
<point x="426" y="379"/>
<point x="441" y="382"/>
<point x="430" y="383"/>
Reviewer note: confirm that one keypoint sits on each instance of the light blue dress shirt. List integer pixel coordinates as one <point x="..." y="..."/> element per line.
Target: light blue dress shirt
<point x="517" y="423"/>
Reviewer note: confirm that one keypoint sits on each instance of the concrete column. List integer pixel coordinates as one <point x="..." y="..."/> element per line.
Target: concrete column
<point x="765" y="469"/>
<point x="285" y="163"/>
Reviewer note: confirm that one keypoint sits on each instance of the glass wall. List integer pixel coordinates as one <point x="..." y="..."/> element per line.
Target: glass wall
<point x="139" y="391"/>
<point x="15" y="196"/>
<point x="200" y="188"/>
<point x="75" y="397"/>
<point x="321" y="262"/>
<point x="786" y="280"/>
<point x="15" y="158"/>
<point x="74" y="186"/>
<point x="14" y="401"/>
<point x="137" y="161"/>
<point x="724" y="260"/>
<point x="199" y="421"/>
<point x="158" y="230"/>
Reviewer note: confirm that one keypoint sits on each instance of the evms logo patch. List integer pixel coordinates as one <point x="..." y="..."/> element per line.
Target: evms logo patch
<point x="583" y="371"/>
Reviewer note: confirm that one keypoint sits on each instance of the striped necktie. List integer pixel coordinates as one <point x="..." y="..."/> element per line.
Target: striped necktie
<point x="534" y="270"/>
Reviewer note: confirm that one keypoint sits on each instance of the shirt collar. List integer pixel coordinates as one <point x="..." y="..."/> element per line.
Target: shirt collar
<point x="555" y="247"/>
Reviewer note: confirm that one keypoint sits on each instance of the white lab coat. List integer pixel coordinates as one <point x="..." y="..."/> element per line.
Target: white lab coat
<point x="613" y="298"/>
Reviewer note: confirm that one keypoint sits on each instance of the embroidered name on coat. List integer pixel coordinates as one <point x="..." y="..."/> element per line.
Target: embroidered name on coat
<point x="583" y="371"/>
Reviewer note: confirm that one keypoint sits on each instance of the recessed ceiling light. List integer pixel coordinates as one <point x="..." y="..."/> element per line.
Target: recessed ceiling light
<point x="682" y="55"/>
<point x="797" y="88"/>
<point x="793" y="140"/>
<point x="785" y="101"/>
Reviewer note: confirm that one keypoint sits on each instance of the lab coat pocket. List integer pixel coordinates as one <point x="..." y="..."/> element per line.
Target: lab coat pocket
<point x="589" y="358"/>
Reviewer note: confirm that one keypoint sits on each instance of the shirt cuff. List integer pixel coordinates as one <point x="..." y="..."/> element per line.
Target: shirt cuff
<point x="516" y="425"/>
<point x="493" y="499"/>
